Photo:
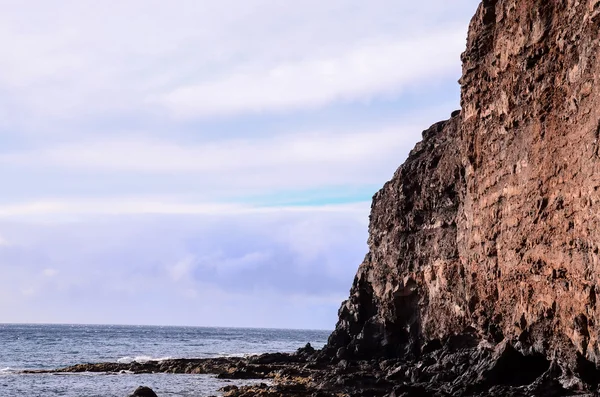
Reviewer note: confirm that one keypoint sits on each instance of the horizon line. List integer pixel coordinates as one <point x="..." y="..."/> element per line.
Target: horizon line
<point x="166" y="326"/>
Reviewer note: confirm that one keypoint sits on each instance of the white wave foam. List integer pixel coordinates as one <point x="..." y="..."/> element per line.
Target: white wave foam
<point x="7" y="370"/>
<point x="234" y="355"/>
<point x="140" y="359"/>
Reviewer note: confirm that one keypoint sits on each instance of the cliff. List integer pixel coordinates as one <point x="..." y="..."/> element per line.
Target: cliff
<point x="491" y="228"/>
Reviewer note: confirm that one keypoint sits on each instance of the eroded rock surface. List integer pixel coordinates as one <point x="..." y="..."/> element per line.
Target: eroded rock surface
<point x="492" y="225"/>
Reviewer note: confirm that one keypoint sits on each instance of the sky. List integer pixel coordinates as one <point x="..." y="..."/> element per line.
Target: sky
<point x="209" y="163"/>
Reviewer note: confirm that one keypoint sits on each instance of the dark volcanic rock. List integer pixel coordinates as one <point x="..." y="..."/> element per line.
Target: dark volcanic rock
<point x="306" y="351"/>
<point x="413" y="224"/>
<point x="143" y="391"/>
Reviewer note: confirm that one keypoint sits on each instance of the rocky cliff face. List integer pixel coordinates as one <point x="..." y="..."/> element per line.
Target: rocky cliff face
<point x="492" y="226"/>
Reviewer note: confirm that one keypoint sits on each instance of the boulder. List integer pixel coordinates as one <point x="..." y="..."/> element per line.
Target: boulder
<point x="143" y="391"/>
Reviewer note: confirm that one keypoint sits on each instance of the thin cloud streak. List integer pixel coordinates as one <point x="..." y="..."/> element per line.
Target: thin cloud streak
<point x="145" y="206"/>
<point x="364" y="72"/>
<point x="155" y="156"/>
<point x="238" y="167"/>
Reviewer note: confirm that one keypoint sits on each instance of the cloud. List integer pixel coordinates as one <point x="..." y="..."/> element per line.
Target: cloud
<point x="225" y="267"/>
<point x="362" y="73"/>
<point x="144" y="206"/>
<point x="223" y="264"/>
<point x="231" y="169"/>
<point x="182" y="268"/>
<point x="50" y="272"/>
<point x="155" y="156"/>
<point x="199" y="58"/>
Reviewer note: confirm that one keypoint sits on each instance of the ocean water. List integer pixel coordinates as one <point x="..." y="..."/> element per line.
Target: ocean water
<point x="54" y="346"/>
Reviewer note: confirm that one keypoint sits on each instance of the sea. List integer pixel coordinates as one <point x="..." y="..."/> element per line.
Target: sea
<point x="55" y="346"/>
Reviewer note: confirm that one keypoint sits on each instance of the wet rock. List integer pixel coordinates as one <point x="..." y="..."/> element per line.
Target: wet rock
<point x="341" y="353"/>
<point x="143" y="391"/>
<point x="305" y="352"/>
<point x="271" y="358"/>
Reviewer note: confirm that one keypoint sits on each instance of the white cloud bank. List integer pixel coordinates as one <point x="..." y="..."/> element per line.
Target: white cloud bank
<point x="251" y="269"/>
<point x="205" y="58"/>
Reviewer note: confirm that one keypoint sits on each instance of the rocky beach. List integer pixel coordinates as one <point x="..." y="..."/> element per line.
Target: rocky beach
<point x="462" y="366"/>
<point x="483" y="264"/>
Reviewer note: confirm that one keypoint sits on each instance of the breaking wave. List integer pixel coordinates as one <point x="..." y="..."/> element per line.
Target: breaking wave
<point x="141" y="359"/>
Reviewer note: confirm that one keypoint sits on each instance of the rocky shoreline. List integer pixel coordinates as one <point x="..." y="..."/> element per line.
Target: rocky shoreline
<point x="461" y="366"/>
